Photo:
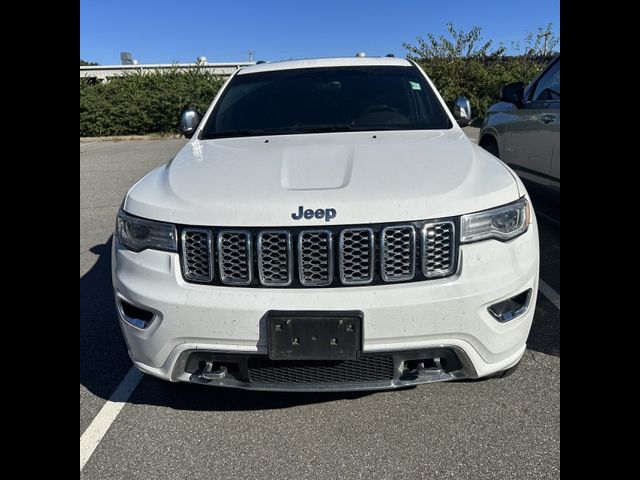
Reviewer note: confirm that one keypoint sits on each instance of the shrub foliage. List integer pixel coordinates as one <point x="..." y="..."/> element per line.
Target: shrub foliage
<point x="151" y="102"/>
<point x="465" y="64"/>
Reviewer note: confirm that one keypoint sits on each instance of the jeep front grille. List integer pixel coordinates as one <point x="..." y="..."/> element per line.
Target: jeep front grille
<point x="319" y="257"/>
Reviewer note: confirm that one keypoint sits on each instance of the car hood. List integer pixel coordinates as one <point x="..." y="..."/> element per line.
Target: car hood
<point x="366" y="177"/>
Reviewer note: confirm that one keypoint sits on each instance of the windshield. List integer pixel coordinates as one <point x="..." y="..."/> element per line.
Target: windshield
<point x="316" y="100"/>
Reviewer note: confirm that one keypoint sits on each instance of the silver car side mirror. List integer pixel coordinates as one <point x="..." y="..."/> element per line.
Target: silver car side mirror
<point x="189" y="121"/>
<point x="462" y="111"/>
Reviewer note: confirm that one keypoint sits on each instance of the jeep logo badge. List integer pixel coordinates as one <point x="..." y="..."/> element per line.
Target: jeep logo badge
<point x="309" y="213"/>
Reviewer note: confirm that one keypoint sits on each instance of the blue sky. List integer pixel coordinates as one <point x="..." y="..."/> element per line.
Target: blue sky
<point x="162" y="31"/>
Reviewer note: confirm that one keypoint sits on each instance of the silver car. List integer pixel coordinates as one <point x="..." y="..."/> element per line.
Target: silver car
<point x="523" y="130"/>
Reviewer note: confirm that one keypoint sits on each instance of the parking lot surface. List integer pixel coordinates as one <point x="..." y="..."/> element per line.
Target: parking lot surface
<point x="500" y="428"/>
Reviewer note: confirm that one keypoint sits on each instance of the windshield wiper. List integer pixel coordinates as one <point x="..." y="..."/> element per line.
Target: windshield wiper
<point x="347" y="128"/>
<point x="234" y="133"/>
<point x="322" y="129"/>
<point x="297" y="130"/>
<point x="276" y="131"/>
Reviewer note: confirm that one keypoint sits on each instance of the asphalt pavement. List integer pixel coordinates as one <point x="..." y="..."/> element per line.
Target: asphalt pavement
<point x="494" y="429"/>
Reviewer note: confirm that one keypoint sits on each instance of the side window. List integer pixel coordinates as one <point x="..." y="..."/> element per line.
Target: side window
<point x="548" y="87"/>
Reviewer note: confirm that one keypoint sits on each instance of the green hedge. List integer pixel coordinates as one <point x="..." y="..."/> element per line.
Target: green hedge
<point x="463" y="63"/>
<point x="138" y="104"/>
<point x="480" y="81"/>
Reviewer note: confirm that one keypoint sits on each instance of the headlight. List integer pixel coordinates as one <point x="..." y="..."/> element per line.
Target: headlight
<point x="137" y="234"/>
<point x="502" y="223"/>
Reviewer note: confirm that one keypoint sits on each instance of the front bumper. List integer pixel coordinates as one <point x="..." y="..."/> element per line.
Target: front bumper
<point x="377" y="371"/>
<point x="448" y="313"/>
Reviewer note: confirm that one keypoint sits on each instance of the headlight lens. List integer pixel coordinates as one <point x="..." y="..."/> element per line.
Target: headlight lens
<point x="502" y="223"/>
<point x="137" y="234"/>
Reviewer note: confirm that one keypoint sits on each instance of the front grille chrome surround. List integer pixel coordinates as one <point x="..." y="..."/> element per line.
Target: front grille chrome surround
<point x="398" y="253"/>
<point x="438" y="249"/>
<point x="197" y="254"/>
<point x="356" y="256"/>
<point x="275" y="258"/>
<point x="315" y="257"/>
<point x="235" y="258"/>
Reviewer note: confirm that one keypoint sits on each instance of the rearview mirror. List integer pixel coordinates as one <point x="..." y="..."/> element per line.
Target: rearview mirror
<point x="513" y="93"/>
<point x="462" y="111"/>
<point x="189" y="121"/>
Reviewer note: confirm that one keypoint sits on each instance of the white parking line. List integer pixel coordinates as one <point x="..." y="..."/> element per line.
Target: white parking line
<point x="86" y="143"/>
<point x="101" y="423"/>
<point x="550" y="293"/>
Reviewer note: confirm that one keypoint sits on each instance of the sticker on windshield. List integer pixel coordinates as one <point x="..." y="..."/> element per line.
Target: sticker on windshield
<point x="415" y="85"/>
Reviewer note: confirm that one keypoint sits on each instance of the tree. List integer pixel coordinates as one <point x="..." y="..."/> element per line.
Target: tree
<point x="465" y="45"/>
<point x="544" y="43"/>
<point x="84" y="63"/>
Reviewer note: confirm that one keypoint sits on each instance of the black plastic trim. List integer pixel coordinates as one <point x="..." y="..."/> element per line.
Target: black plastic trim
<point x="456" y="365"/>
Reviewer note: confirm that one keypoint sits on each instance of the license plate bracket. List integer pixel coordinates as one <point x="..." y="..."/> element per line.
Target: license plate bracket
<point x="314" y="335"/>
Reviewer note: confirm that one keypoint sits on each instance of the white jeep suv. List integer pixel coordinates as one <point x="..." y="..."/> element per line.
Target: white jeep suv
<point x="328" y="226"/>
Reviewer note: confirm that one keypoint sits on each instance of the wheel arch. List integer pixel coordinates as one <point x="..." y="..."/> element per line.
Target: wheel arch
<point x="489" y="136"/>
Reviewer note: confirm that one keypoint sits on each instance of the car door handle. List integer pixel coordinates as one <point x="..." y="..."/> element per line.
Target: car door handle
<point x="547" y="118"/>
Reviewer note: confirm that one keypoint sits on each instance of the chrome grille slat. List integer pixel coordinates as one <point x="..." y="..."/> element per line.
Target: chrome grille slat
<point x="315" y="257"/>
<point x="356" y="256"/>
<point x="197" y="252"/>
<point x="438" y="247"/>
<point x="234" y="257"/>
<point x="398" y="253"/>
<point x="275" y="259"/>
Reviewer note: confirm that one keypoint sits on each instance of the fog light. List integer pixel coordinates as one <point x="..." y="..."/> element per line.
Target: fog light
<point x="133" y="315"/>
<point x="511" y="308"/>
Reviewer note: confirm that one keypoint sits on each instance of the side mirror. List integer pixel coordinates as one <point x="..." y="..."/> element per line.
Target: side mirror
<point x="462" y="111"/>
<point x="189" y="121"/>
<point x="513" y="93"/>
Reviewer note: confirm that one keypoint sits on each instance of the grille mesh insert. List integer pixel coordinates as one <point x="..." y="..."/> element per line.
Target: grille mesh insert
<point x="274" y="258"/>
<point x="398" y="253"/>
<point x="439" y="252"/>
<point x="196" y="255"/>
<point x="369" y="368"/>
<point x="314" y="250"/>
<point x="234" y="254"/>
<point x="356" y="256"/>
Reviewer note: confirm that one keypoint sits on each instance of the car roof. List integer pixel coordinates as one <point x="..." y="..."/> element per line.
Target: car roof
<point x="326" y="62"/>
